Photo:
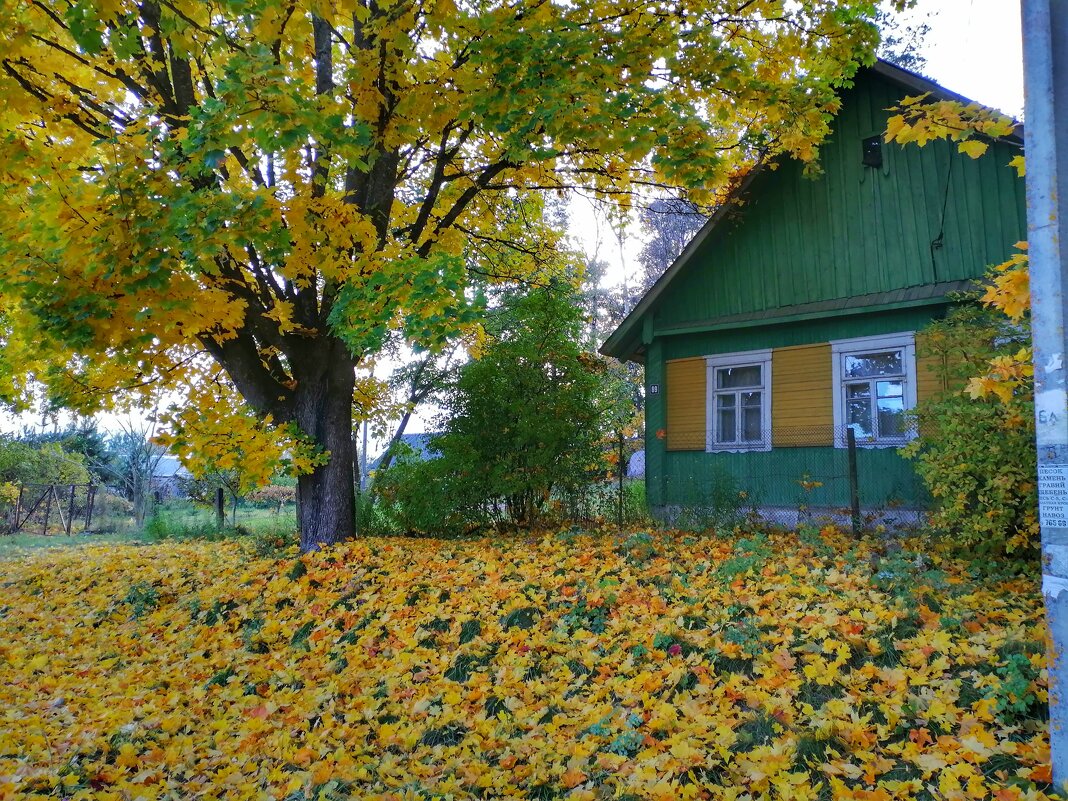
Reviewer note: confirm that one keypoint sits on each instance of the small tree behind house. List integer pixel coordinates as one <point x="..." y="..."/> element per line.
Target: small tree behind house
<point x="522" y="421"/>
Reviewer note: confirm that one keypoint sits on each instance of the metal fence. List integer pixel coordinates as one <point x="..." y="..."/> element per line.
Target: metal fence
<point x="51" y="509"/>
<point x="795" y="476"/>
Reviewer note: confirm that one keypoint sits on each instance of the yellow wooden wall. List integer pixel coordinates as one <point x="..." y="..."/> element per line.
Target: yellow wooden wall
<point x="802" y="413"/>
<point x="802" y="406"/>
<point x="686" y="407"/>
<point x="931" y="378"/>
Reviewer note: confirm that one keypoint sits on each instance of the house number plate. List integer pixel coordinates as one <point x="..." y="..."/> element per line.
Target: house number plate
<point x="1053" y="495"/>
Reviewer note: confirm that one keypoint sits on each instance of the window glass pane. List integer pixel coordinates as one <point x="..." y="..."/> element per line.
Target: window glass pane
<point x="725" y="424"/>
<point x="891" y="417"/>
<point x="858" y="416"/>
<point x="726" y="401"/>
<point x="751" y="399"/>
<point x="858" y="390"/>
<point x="731" y="377"/>
<point x="890" y="389"/>
<point x="872" y="365"/>
<point x="751" y="424"/>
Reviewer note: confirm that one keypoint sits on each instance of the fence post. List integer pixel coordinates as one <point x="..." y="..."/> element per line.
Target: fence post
<point x="70" y="511"/>
<point x="854" y="495"/>
<point x="220" y="509"/>
<point x="18" y="510"/>
<point x="619" y="498"/>
<point x="48" y="509"/>
<point x="90" y="499"/>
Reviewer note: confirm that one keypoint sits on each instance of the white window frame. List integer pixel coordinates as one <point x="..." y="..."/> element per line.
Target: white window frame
<point x="840" y="348"/>
<point x="749" y="358"/>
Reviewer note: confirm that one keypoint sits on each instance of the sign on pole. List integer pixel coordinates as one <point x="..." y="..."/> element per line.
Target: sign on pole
<point x="1045" y="35"/>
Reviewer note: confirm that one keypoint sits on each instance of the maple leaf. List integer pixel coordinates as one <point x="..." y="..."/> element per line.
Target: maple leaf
<point x="543" y="716"/>
<point x="973" y="148"/>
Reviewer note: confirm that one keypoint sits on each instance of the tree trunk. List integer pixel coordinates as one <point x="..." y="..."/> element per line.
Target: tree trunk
<point x="323" y="397"/>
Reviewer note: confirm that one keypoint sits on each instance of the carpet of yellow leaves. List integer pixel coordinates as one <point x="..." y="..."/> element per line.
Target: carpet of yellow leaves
<point x="562" y="666"/>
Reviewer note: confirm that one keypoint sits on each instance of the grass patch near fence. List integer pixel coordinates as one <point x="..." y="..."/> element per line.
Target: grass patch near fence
<point x="567" y="665"/>
<point x="180" y="519"/>
<point x="14" y="546"/>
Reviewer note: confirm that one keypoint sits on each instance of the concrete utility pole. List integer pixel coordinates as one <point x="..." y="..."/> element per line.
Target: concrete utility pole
<point x="1045" y="37"/>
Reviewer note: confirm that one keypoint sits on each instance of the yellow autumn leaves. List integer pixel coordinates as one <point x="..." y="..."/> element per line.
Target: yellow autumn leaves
<point x="921" y="120"/>
<point x="562" y="666"/>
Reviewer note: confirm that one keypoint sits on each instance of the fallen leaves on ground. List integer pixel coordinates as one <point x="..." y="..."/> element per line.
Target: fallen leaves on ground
<point x="562" y="666"/>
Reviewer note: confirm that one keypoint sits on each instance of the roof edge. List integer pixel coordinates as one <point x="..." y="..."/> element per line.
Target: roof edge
<point x="613" y="345"/>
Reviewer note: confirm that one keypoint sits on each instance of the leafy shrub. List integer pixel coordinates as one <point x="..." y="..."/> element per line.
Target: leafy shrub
<point x="374" y="515"/>
<point x="23" y="462"/>
<point x="523" y="425"/>
<point x="422" y="497"/>
<point x="977" y="455"/>
<point x="599" y="501"/>
<point x="111" y="512"/>
<point x="272" y="496"/>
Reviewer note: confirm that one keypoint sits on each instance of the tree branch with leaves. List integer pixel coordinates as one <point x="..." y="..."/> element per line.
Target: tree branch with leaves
<point x="260" y="193"/>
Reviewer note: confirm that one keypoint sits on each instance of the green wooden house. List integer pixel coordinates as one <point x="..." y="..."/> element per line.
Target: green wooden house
<point x="791" y="316"/>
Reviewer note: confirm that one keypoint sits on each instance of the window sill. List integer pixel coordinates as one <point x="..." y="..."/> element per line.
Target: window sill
<point x="737" y="448"/>
<point x="869" y="444"/>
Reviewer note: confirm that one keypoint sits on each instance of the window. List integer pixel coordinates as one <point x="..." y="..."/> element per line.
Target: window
<point x="874" y="385"/>
<point x="739" y="401"/>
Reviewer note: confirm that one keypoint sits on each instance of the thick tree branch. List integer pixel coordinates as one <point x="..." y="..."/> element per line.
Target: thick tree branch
<point x="477" y="186"/>
<point x="241" y="359"/>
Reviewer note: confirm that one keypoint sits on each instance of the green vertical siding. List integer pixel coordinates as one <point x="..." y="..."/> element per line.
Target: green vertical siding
<point x="854" y="230"/>
<point x="655" y="420"/>
<point x="770" y="478"/>
<point x="927" y="216"/>
<point x="773" y="478"/>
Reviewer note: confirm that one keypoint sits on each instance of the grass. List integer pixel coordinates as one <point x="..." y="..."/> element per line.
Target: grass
<point x="184" y="519"/>
<point x="14" y="546"/>
<point x="175" y="520"/>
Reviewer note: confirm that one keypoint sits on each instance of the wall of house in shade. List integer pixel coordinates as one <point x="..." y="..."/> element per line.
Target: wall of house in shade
<point x="792" y="317"/>
<point x="928" y="216"/>
<point x="802" y="436"/>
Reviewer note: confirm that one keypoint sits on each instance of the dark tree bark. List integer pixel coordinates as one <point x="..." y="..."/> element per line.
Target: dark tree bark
<point x="323" y="411"/>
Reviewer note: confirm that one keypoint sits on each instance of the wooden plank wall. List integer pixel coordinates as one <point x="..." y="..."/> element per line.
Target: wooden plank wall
<point x="686" y="407"/>
<point x="802" y="410"/>
<point x="802" y="413"/>
<point x="930" y="377"/>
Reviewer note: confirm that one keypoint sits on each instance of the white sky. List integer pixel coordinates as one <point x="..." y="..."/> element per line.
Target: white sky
<point x="973" y="48"/>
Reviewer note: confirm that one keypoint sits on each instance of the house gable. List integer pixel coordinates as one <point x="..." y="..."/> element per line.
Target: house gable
<point x="853" y="238"/>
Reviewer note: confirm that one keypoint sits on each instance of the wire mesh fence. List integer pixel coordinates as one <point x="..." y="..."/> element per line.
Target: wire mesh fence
<point x="64" y="510"/>
<point x="50" y="509"/>
<point x="797" y="475"/>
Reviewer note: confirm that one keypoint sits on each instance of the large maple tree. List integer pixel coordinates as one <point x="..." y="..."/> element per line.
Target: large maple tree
<point x="238" y="199"/>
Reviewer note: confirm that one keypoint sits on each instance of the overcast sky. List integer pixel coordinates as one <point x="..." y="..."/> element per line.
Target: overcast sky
<point x="974" y="49"/>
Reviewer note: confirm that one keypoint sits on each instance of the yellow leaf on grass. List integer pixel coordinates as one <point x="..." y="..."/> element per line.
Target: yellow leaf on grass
<point x="572" y="778"/>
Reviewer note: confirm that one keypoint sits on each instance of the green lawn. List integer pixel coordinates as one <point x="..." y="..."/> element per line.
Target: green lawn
<point x="15" y="545"/>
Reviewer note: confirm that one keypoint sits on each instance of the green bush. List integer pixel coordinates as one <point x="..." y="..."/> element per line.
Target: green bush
<point x="523" y="425"/>
<point x="24" y="462"/>
<point x="977" y="455"/>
